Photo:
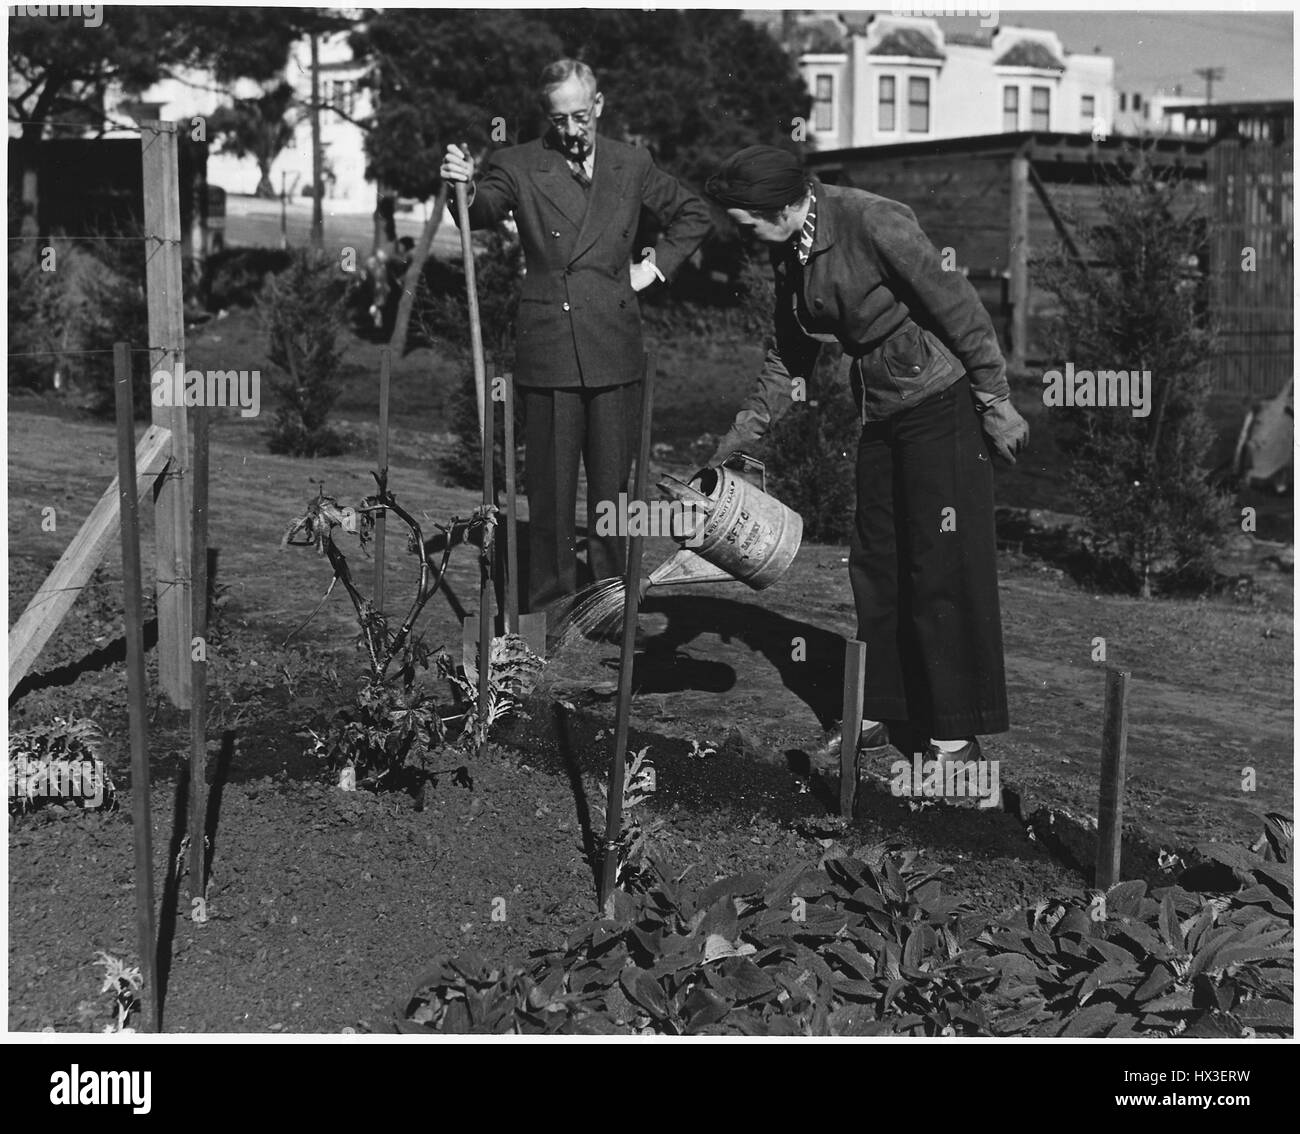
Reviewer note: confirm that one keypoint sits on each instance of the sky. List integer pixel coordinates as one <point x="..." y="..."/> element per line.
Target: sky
<point x="1154" y="44"/>
<point x="1161" y="48"/>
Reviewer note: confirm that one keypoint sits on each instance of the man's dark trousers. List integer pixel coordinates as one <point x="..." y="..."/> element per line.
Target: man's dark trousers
<point x="923" y="565"/>
<point x="562" y="422"/>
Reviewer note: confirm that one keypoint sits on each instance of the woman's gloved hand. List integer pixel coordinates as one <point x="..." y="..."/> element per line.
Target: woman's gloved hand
<point x="1006" y="430"/>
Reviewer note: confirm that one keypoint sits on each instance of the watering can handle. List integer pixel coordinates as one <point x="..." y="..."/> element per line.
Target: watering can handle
<point x="747" y="464"/>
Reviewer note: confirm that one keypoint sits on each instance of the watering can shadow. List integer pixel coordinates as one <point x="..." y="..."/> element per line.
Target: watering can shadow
<point x="734" y="530"/>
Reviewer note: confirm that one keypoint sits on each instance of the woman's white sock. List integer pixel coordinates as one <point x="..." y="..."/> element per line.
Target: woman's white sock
<point x="950" y="745"/>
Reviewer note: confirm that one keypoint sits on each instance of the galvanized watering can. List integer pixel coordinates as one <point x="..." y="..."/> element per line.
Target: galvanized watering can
<point x="742" y="533"/>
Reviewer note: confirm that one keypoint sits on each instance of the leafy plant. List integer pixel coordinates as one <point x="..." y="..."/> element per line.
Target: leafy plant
<point x="64" y="321"/>
<point x="512" y="671"/>
<point x="301" y="313"/>
<point x="236" y="276"/>
<point x="636" y="838"/>
<point x="869" y="945"/>
<point x="1144" y="482"/>
<point x="388" y="740"/>
<point x="701" y="751"/>
<point x="62" y="755"/>
<point x="125" y="984"/>
<point x="325" y="517"/>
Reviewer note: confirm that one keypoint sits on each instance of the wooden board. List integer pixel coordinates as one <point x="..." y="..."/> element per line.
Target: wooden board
<point x="75" y="566"/>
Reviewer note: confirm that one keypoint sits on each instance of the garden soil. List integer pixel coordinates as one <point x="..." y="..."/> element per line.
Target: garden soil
<point x="324" y="907"/>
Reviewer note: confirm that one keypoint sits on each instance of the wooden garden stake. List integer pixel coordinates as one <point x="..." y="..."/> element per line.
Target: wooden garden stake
<point x="133" y="606"/>
<point x="485" y="572"/>
<point x="199" y="652"/>
<point x="512" y="526"/>
<point x="385" y="380"/>
<point x="855" y="667"/>
<point x="1110" y="805"/>
<point x="631" y="602"/>
<point x="486" y="431"/>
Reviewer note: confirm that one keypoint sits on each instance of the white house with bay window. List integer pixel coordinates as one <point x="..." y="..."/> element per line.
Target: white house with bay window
<point x="883" y="78"/>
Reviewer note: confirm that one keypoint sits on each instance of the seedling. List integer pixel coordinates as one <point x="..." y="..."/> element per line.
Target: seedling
<point x="124" y="983"/>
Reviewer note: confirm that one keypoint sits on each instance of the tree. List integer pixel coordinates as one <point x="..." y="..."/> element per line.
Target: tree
<point x="441" y="77"/>
<point x="61" y="72"/>
<point x="256" y="128"/>
<point x="301" y="312"/>
<point x="693" y="86"/>
<point x="1143" y="481"/>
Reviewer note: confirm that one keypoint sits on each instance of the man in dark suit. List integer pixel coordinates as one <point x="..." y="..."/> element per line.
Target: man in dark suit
<point x="577" y="200"/>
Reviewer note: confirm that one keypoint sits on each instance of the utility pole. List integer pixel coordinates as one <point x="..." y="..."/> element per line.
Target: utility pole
<point x="317" y="219"/>
<point x="1210" y="75"/>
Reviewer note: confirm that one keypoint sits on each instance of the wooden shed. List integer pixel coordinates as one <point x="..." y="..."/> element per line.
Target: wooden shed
<point x="996" y="199"/>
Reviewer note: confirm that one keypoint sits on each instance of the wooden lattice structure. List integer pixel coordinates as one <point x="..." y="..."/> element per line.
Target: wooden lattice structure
<point x="1001" y="199"/>
<point x="1252" y="249"/>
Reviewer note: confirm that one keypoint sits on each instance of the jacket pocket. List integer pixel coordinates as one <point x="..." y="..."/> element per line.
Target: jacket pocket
<point x="907" y="355"/>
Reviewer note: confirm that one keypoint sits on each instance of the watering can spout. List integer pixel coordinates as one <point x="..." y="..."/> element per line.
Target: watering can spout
<point x="686" y="567"/>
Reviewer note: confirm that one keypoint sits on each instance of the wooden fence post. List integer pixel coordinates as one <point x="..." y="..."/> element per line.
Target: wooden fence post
<point x="1018" y="259"/>
<point x="512" y="505"/>
<point x="1110" y="805"/>
<point x="165" y="290"/>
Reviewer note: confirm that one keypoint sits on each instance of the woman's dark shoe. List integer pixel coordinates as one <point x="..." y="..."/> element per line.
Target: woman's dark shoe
<point x="968" y="751"/>
<point x="870" y="741"/>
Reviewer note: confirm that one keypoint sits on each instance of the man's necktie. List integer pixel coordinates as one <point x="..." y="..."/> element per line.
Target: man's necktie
<point x="580" y="175"/>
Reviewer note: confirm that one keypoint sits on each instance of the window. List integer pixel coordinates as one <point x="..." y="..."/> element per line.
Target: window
<point x="918" y="106"/>
<point x="1011" y="109"/>
<point x="1137" y="100"/>
<point x="1123" y="101"/>
<point x="887" y="118"/>
<point x="1040" y="108"/>
<point x="1087" y="110"/>
<point x="339" y="95"/>
<point x="824" y="103"/>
